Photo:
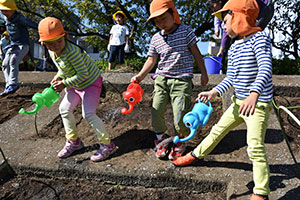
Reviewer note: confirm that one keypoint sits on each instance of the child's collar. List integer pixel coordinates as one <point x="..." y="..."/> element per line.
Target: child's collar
<point x="161" y="32"/>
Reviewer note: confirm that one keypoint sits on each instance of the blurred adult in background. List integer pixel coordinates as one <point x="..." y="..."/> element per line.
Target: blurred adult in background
<point x="266" y="12"/>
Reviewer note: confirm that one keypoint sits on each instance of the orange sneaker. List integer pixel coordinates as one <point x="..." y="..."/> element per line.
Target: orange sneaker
<point x="258" y="197"/>
<point x="184" y="160"/>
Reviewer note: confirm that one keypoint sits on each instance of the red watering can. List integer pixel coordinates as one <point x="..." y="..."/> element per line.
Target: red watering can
<point x="131" y="96"/>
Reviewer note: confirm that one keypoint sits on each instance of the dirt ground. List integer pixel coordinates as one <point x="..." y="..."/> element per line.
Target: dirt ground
<point x="117" y="124"/>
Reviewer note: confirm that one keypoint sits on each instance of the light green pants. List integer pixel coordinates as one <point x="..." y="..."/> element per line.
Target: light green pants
<point x="89" y="98"/>
<point x="176" y="91"/>
<point x="256" y="130"/>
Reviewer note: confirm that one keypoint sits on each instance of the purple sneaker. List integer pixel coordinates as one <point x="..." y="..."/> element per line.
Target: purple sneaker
<point x="70" y="147"/>
<point x="104" y="151"/>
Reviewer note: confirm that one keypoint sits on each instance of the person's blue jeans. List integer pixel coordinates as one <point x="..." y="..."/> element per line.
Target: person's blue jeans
<point x="116" y="51"/>
<point x="10" y="65"/>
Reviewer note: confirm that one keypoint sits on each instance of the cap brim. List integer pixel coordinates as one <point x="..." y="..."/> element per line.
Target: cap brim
<point x="157" y="13"/>
<point x="2" y="7"/>
<point x="218" y="14"/>
<point x="52" y="39"/>
<point x="119" y="12"/>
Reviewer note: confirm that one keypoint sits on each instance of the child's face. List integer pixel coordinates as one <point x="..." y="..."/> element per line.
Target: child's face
<point x="8" y="13"/>
<point x="119" y="19"/>
<point x="56" y="46"/>
<point x="228" y="28"/>
<point x="165" y="22"/>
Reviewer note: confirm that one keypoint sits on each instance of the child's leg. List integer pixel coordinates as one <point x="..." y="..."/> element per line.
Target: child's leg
<point x="110" y="66"/>
<point x="229" y="120"/>
<point x="159" y="104"/>
<point x="6" y="66"/>
<point x="66" y="107"/>
<point x="18" y="54"/>
<point x="89" y="104"/>
<point x="256" y="129"/>
<point x="180" y="93"/>
<point x="73" y="143"/>
<point x="90" y="101"/>
<point x="121" y="54"/>
<point x="112" y="56"/>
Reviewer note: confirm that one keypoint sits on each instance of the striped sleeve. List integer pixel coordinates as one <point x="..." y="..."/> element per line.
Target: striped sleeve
<point x="191" y="37"/>
<point x="262" y="51"/>
<point x="152" y="50"/>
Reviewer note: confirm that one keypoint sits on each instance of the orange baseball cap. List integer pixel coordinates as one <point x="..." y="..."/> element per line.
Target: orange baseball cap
<point x="159" y="7"/>
<point x="244" y="14"/>
<point x="50" y="29"/>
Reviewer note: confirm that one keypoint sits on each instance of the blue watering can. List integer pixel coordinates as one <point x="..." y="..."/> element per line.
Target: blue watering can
<point x="47" y="98"/>
<point x="197" y="117"/>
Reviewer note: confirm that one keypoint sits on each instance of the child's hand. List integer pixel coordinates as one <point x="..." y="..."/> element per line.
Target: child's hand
<point x="127" y="49"/>
<point x="136" y="79"/>
<point x="207" y="96"/>
<point x="248" y="106"/>
<point x="58" y="85"/>
<point x="56" y="78"/>
<point x="204" y="79"/>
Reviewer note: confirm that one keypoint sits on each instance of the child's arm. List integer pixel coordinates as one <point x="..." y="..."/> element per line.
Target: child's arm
<point x="207" y="96"/>
<point x="200" y="63"/>
<point x="149" y="64"/>
<point x="127" y="39"/>
<point x="27" y="22"/>
<point x="126" y="48"/>
<point x="1" y="50"/>
<point x="108" y="46"/>
<point x="217" y="25"/>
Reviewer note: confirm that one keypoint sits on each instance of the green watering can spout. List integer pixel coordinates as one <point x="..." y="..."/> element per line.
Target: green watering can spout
<point x="47" y="98"/>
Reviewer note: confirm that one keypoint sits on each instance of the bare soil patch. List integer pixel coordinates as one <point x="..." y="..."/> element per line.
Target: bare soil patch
<point x="130" y="126"/>
<point x="44" y="188"/>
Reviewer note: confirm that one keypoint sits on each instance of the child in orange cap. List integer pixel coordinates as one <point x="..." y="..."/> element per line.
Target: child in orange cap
<point x="118" y="40"/>
<point x="176" y="46"/>
<point x="82" y="81"/>
<point x="250" y="73"/>
<point x="17" y="27"/>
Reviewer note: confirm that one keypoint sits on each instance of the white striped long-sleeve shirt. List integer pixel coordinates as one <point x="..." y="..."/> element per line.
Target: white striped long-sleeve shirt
<point x="249" y="68"/>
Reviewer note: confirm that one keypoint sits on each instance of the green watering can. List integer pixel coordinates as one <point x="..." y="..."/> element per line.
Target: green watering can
<point x="47" y="98"/>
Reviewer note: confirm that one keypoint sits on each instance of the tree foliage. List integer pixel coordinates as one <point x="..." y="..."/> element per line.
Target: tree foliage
<point x="286" y="26"/>
<point x="93" y="19"/>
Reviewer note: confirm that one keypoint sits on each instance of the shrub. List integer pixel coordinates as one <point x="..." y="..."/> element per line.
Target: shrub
<point x="133" y="61"/>
<point x="286" y="66"/>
